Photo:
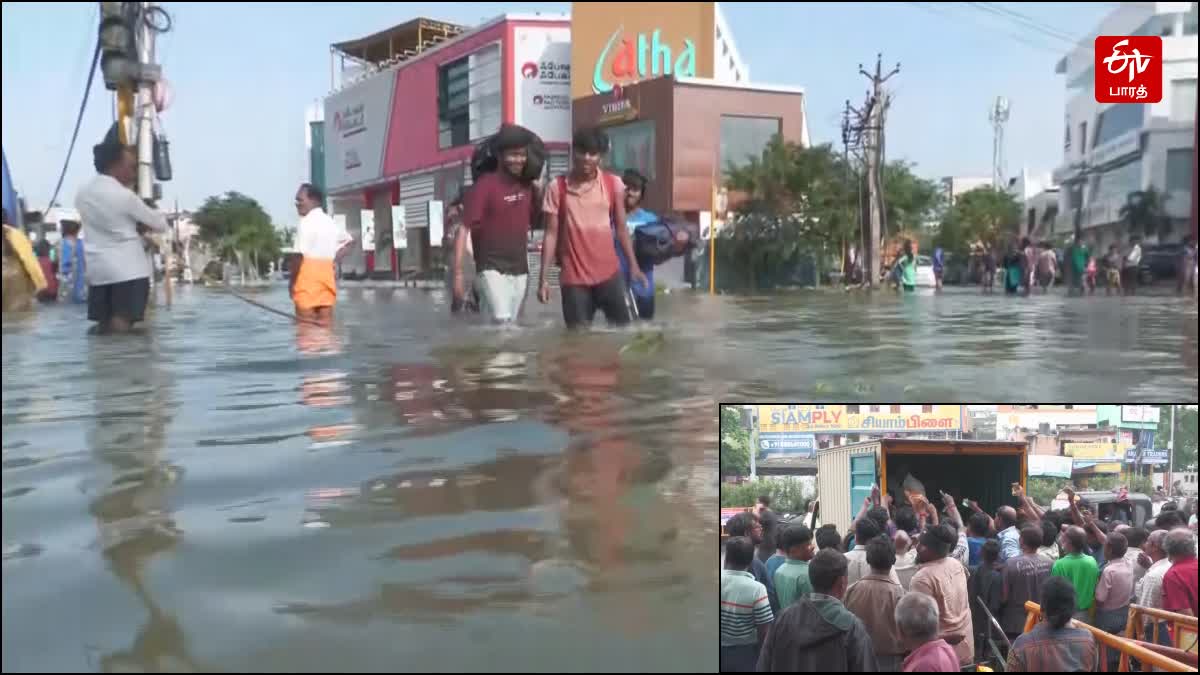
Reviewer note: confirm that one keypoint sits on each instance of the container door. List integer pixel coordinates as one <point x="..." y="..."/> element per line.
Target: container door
<point x="862" y="477"/>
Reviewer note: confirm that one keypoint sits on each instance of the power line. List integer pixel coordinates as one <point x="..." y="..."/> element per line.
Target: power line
<point x="87" y="90"/>
<point x="1023" y="39"/>
<point x="1024" y="21"/>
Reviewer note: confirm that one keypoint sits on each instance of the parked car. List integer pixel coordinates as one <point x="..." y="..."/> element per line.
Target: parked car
<point x="925" y="278"/>
<point x="1159" y="262"/>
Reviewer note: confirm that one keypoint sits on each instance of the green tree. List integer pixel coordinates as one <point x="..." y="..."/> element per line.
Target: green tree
<point x="983" y="214"/>
<point x="910" y="201"/>
<point x="1145" y="211"/>
<point x="287" y="237"/>
<point x="735" y="443"/>
<point x="1185" y="434"/>
<point x="239" y="229"/>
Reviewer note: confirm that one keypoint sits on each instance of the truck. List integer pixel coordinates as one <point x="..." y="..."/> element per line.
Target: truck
<point x="983" y="471"/>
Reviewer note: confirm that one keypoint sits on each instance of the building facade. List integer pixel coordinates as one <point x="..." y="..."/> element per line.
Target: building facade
<point x="1111" y="150"/>
<point x="1018" y="422"/>
<point x="955" y="186"/>
<point x="400" y="132"/>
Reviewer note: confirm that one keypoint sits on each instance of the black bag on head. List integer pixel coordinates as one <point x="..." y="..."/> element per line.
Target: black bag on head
<point x="486" y="158"/>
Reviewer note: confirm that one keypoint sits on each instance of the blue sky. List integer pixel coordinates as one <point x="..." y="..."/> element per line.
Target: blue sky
<point x="243" y="73"/>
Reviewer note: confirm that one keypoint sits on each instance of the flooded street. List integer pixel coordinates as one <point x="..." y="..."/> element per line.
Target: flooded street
<point x="412" y="492"/>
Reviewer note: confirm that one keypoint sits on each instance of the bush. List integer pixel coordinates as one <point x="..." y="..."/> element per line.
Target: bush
<point x="788" y="495"/>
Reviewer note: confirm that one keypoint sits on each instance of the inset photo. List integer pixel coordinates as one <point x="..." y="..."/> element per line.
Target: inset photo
<point x="939" y="537"/>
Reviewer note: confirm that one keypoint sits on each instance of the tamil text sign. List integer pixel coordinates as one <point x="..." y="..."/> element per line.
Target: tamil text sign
<point x="858" y="419"/>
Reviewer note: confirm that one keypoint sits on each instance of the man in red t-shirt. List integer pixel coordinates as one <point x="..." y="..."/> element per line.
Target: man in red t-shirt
<point x="584" y="210"/>
<point x="1179" y="583"/>
<point x="498" y="212"/>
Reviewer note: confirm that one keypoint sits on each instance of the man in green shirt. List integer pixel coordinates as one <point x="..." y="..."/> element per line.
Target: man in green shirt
<point x="1079" y="258"/>
<point x="791" y="579"/>
<point x="1080" y="569"/>
<point x="908" y="267"/>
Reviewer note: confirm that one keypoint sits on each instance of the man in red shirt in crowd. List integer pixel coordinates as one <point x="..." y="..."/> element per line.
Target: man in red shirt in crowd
<point x="498" y="212"/>
<point x="584" y="210"/>
<point x="1179" y="583"/>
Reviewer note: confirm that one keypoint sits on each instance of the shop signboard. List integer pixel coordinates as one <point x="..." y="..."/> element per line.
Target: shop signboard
<point x="1156" y="456"/>
<point x="858" y="418"/>
<point x="1093" y="451"/>
<point x="356" y="122"/>
<point x="542" y="82"/>
<point x="399" y="234"/>
<point x="1139" y="413"/>
<point x="1050" y="465"/>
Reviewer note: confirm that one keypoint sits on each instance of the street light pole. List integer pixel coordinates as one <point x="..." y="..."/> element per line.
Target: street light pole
<point x="1171" y="454"/>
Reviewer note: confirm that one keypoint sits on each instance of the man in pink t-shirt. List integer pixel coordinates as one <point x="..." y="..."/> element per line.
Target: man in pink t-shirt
<point x="584" y="210"/>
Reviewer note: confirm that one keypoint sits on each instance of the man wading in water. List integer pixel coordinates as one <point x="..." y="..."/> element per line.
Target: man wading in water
<point x="499" y="211"/>
<point x="320" y="241"/>
<point x="118" y="269"/>
<point x="584" y="210"/>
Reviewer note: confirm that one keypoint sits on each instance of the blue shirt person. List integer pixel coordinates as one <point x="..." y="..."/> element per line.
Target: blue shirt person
<point x="71" y="265"/>
<point x="635" y="217"/>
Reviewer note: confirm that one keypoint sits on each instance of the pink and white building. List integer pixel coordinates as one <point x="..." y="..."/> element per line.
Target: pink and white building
<point x="411" y="104"/>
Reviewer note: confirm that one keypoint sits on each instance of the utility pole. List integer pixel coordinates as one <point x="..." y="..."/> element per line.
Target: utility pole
<point x="145" y="138"/>
<point x="871" y="126"/>
<point x="998" y="116"/>
<point x="1171" y="455"/>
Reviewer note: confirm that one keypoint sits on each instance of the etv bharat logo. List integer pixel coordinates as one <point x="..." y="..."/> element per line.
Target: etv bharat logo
<point x="635" y="60"/>
<point x="529" y="71"/>
<point x="1128" y="69"/>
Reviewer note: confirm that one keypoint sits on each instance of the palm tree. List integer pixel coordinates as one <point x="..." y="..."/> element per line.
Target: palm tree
<point x="1145" y="212"/>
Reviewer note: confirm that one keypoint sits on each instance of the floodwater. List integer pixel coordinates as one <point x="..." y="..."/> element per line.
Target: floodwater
<point x="411" y="491"/>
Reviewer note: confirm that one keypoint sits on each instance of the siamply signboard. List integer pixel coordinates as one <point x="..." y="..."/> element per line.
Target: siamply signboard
<point x="858" y="418"/>
<point x="356" y="122"/>
<point x="788" y="443"/>
<point x="542" y="82"/>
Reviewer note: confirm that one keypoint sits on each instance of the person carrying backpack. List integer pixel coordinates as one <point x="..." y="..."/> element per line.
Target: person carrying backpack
<point x="584" y="210"/>
<point x="498" y="213"/>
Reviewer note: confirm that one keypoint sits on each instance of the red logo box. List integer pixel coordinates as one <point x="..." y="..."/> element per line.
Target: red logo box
<point x="1129" y="69"/>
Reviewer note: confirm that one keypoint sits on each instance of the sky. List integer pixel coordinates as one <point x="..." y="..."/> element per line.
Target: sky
<point x="242" y="74"/>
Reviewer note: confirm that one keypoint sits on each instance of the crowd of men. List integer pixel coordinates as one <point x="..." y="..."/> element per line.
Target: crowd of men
<point x="905" y="589"/>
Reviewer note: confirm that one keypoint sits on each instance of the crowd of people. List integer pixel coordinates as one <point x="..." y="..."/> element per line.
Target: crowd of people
<point x="905" y="590"/>
<point x="1025" y="266"/>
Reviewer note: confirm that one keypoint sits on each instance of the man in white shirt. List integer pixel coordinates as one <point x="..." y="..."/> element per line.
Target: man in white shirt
<point x="114" y="218"/>
<point x="1133" y="261"/>
<point x="1148" y="590"/>
<point x="320" y="241"/>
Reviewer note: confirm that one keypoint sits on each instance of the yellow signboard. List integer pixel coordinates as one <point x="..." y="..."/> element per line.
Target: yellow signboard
<point x="859" y="418"/>
<point x="1093" y="451"/>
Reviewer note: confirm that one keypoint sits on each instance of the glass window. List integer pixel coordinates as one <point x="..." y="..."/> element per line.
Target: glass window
<point x="745" y="138"/>
<point x="1169" y="27"/>
<point x="1189" y="22"/>
<point x="1179" y="170"/>
<point x="895" y="409"/>
<point x="1117" y="120"/>
<point x="1118" y="181"/>
<point x="874" y="408"/>
<point x="852" y="410"/>
<point x="454" y="115"/>
<point x="1183" y="100"/>
<point x="485" y="100"/>
<point x="631" y="146"/>
<point x="1067" y="136"/>
<point x="1082" y="137"/>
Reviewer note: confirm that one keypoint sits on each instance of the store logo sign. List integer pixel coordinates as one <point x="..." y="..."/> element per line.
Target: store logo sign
<point x="1129" y="69"/>
<point x="351" y="120"/>
<point x="639" y="58"/>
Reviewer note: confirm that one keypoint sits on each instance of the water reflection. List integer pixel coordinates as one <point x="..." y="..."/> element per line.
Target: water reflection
<point x="134" y="404"/>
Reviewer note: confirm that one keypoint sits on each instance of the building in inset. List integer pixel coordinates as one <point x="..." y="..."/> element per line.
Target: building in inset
<point x="408" y="107"/>
<point x="1112" y="150"/>
<point x="1017" y="422"/>
<point x="666" y="81"/>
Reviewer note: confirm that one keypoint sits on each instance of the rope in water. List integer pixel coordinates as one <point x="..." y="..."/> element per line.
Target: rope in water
<point x="293" y="317"/>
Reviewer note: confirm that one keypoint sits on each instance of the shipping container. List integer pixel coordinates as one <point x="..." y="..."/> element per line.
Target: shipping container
<point x="982" y="471"/>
